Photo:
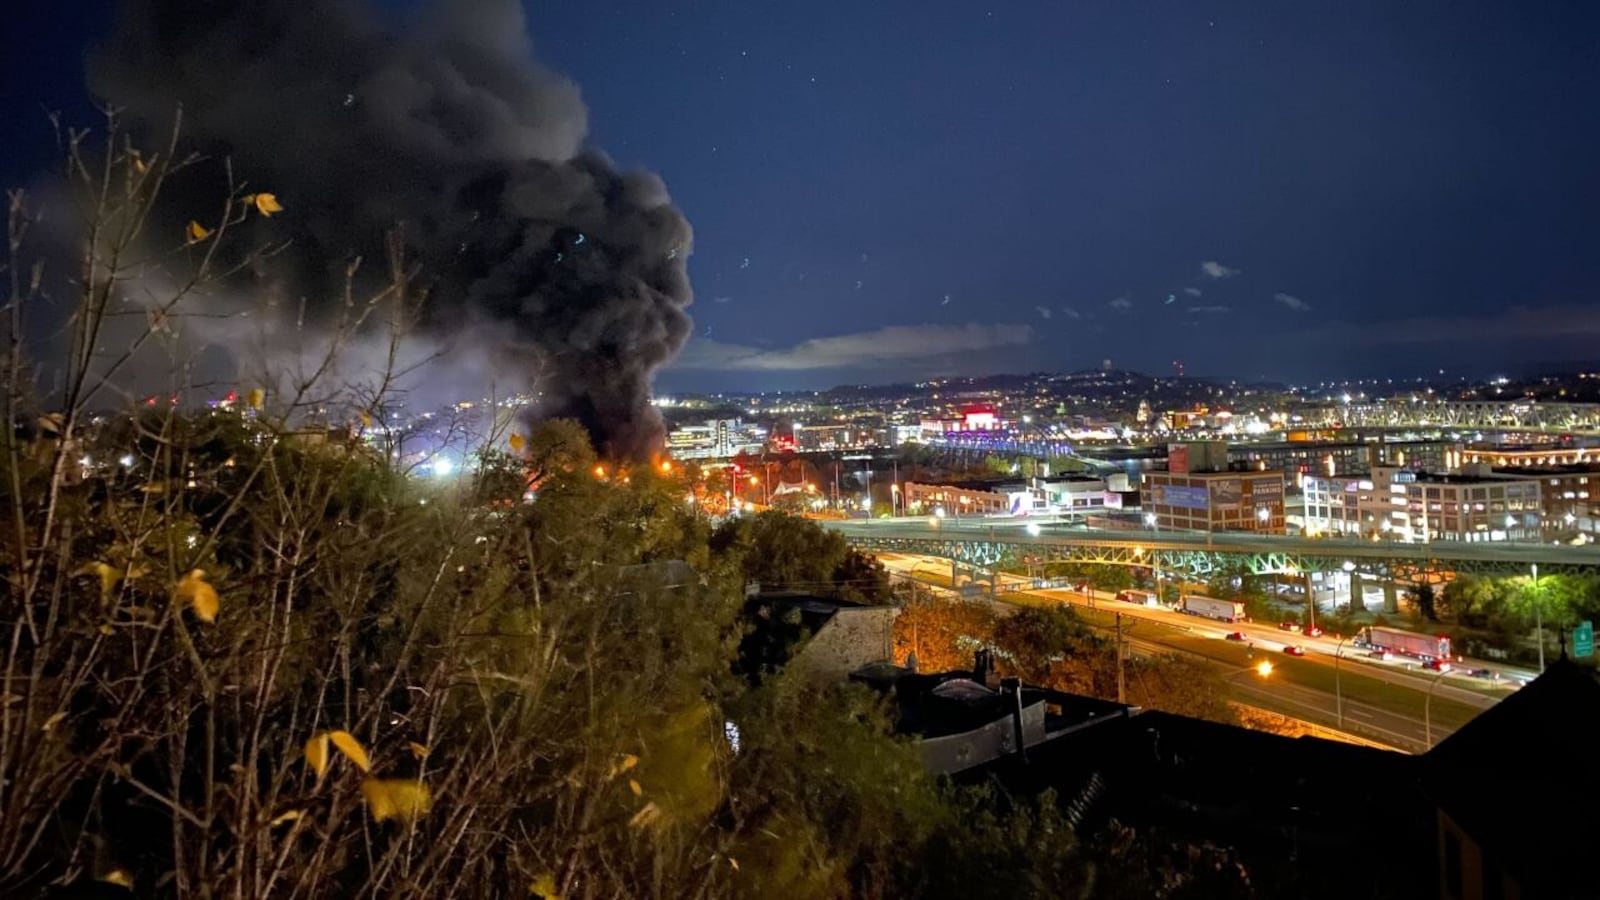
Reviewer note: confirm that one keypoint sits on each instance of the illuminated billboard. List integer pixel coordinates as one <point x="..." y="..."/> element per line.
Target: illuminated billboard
<point x="1183" y="497"/>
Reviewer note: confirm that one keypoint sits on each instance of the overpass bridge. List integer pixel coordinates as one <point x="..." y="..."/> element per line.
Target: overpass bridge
<point x="1198" y="555"/>
<point x="1518" y="415"/>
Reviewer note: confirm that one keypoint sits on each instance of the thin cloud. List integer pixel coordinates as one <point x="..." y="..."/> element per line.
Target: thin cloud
<point x="897" y="343"/>
<point x="1121" y="304"/>
<point x="1519" y="323"/>
<point x="1071" y="313"/>
<point x="1213" y="269"/>
<point x="1293" y="302"/>
<point x="1193" y="291"/>
<point x="721" y="299"/>
<point x="1044" y="312"/>
<point x="1209" y="310"/>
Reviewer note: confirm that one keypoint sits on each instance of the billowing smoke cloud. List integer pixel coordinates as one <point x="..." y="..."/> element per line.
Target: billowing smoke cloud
<point x="445" y="127"/>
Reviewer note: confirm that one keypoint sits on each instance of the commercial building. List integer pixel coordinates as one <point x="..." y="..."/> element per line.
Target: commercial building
<point x="974" y="499"/>
<point x="717" y="439"/>
<point x="834" y="437"/>
<point x="1531" y="456"/>
<point x="1214" y="501"/>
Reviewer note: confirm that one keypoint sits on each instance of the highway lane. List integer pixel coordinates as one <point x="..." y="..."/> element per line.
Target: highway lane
<point x="1320" y="650"/>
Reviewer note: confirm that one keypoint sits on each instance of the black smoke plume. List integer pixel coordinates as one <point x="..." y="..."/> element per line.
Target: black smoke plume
<point x="446" y="126"/>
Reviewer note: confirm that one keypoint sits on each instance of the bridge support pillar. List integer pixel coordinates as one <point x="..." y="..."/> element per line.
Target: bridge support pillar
<point x="1311" y="599"/>
<point x="955" y="574"/>
<point x="1358" y="593"/>
<point x="1391" y="598"/>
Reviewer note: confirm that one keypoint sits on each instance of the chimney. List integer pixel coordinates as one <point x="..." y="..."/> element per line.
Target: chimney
<point x="1013" y="687"/>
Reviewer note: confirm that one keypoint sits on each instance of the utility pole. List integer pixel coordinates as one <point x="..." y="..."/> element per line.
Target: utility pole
<point x="1122" y="688"/>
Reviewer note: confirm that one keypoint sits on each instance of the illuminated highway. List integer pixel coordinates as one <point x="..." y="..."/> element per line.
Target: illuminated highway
<point x="1177" y="632"/>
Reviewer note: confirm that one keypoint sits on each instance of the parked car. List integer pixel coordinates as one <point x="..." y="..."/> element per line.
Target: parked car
<point x="1295" y="650"/>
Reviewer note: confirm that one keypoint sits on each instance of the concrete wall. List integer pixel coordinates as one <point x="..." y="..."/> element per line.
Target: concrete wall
<point x="851" y="639"/>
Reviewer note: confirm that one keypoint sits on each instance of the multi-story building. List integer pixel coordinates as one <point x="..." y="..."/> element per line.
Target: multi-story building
<point x="1472" y="507"/>
<point x="1214" y="501"/>
<point x="1569" y="496"/>
<point x="1394" y="504"/>
<point x="717" y="439"/>
<point x="835" y="437"/>
<point x="1364" y="505"/>
<point x="1330" y="459"/>
<point x="975" y="499"/>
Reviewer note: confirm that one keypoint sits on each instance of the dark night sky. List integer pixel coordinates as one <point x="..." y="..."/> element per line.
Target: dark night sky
<point x="897" y="189"/>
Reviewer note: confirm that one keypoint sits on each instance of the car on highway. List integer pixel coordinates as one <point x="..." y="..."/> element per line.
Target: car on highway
<point x="1313" y="631"/>
<point x="1294" y="650"/>
<point x="1487" y="674"/>
<point x="1289" y="626"/>
<point x="1381" y="654"/>
<point x="1437" y="665"/>
<point x="1235" y="636"/>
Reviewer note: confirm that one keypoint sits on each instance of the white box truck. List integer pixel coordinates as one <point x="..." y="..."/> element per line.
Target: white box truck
<point x="1211" y="608"/>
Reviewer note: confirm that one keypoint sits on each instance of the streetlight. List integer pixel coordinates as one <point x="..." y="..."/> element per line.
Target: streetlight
<point x="1427" y="712"/>
<point x="1538" y="616"/>
<point x="1338" y="694"/>
<point x="1264" y="668"/>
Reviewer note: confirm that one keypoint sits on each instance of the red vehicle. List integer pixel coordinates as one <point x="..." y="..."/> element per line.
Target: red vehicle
<point x="1437" y="665"/>
<point x="1294" y="650"/>
<point x="1288" y="626"/>
<point x="1235" y="636"/>
<point x="1313" y="631"/>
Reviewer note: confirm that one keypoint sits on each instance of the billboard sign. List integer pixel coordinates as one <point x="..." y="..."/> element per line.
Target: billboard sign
<point x="1185" y="497"/>
<point x="1228" y="493"/>
<point x="1266" y="487"/>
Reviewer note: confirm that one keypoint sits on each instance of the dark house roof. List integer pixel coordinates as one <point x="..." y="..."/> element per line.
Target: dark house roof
<point x="1517" y="780"/>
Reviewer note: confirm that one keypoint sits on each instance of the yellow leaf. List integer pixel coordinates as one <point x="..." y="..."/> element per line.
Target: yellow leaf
<point x="624" y="762"/>
<point x="109" y="576"/>
<point x="317" y="753"/>
<point x="255" y="398"/>
<point x="289" y="816"/>
<point x="107" y="629"/>
<point x="734" y="863"/>
<point x="420" y="751"/>
<point x="634" y="786"/>
<point x="266" y="204"/>
<point x="201" y="597"/>
<point x="544" y="886"/>
<point x="396" y="798"/>
<point x="366" y="419"/>
<point x="54" y="720"/>
<point x="118" y="877"/>
<point x="518" y="442"/>
<point x="349" y="746"/>
<point x="50" y="424"/>
<point x="196" y="232"/>
<point x="646" y="815"/>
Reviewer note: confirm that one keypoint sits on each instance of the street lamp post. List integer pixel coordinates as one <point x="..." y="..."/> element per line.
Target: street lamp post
<point x="1538" y="617"/>
<point x="1338" y="692"/>
<point x="1427" y="712"/>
